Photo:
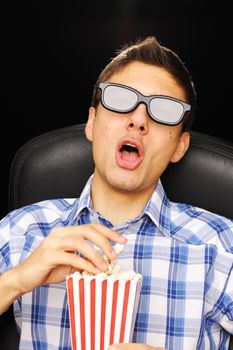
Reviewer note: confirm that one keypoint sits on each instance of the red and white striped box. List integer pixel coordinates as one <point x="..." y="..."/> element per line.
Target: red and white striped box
<point x="102" y="308"/>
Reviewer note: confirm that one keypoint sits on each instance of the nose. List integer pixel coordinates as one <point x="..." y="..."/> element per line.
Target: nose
<point x="138" y="119"/>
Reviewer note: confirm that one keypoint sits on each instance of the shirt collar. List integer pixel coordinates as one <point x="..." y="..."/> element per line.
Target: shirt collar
<point x="85" y="197"/>
<point x="157" y="208"/>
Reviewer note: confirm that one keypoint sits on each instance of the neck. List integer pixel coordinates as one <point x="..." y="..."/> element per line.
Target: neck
<point x="115" y="205"/>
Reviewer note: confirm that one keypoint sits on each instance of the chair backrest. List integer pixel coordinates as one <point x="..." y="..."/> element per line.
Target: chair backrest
<point x="58" y="163"/>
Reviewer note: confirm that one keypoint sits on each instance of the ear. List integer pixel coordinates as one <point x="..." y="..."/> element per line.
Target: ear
<point x="90" y="124"/>
<point x="182" y="146"/>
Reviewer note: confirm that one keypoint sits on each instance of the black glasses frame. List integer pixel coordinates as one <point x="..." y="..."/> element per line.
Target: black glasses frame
<point x="143" y="99"/>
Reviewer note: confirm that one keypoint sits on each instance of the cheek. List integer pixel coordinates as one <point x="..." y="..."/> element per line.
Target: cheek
<point x="103" y="134"/>
<point x="164" y="142"/>
<point x="165" y="135"/>
<point x="173" y="134"/>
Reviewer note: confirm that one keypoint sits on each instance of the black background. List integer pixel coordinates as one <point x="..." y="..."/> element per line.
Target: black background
<point x="52" y="53"/>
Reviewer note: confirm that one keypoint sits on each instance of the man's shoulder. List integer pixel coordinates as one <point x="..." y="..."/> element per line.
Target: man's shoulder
<point x="200" y="226"/>
<point x="183" y="212"/>
<point x="43" y="212"/>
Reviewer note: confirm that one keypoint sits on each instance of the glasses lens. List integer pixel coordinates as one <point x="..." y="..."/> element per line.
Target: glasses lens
<point x="119" y="98"/>
<point x="165" y="110"/>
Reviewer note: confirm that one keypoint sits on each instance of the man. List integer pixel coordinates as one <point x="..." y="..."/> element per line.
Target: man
<point x="142" y="108"/>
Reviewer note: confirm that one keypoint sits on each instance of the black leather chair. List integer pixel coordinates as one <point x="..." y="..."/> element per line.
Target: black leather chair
<point x="58" y="163"/>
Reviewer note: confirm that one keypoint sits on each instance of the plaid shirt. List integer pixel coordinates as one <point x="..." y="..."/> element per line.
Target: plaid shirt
<point x="185" y="257"/>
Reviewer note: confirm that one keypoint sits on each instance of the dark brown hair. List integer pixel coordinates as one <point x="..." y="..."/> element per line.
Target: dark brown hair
<point x="149" y="51"/>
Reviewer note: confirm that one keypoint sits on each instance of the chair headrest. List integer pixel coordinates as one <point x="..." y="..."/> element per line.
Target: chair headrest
<point x="58" y="163"/>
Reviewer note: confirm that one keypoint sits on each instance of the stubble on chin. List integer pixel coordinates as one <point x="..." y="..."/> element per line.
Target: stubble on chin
<point x="122" y="184"/>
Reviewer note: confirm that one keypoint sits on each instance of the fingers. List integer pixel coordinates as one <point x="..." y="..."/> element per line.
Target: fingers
<point x="56" y="255"/>
<point x="87" y="250"/>
<point x="88" y="231"/>
<point x="78" y="263"/>
<point x="75" y="239"/>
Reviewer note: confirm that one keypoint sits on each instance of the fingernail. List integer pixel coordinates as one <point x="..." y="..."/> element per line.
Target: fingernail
<point x="123" y="239"/>
<point x="113" y="254"/>
<point x="105" y="265"/>
<point x="97" y="270"/>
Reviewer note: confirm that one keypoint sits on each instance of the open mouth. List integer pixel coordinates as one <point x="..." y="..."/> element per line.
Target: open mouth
<point x="129" y="154"/>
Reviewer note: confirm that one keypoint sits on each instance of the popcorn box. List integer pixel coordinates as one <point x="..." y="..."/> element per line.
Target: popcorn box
<point x="102" y="308"/>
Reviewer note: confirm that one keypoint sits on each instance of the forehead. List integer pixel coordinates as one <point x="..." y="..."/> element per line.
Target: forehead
<point x="148" y="79"/>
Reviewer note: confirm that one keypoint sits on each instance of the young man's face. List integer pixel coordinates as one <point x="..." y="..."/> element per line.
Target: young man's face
<point x="153" y="145"/>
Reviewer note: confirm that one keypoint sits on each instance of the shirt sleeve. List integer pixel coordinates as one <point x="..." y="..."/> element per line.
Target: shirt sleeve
<point x="226" y="305"/>
<point x="13" y="238"/>
<point x="219" y="297"/>
<point x="23" y="229"/>
<point x="5" y="259"/>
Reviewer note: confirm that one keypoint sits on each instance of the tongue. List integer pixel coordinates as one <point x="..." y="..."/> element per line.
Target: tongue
<point x="129" y="156"/>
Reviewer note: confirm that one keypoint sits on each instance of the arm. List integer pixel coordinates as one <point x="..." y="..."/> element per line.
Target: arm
<point x="9" y="290"/>
<point x="56" y="257"/>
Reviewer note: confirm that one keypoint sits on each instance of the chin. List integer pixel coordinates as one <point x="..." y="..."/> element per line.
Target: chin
<point x="124" y="183"/>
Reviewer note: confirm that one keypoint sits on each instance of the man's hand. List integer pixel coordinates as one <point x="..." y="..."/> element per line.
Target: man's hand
<point x="133" y="346"/>
<point x="56" y="257"/>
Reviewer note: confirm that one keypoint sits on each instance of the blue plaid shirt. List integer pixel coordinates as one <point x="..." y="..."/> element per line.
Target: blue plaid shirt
<point x="184" y="254"/>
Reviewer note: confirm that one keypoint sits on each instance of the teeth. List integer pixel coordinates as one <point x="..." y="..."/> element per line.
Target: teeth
<point x="129" y="144"/>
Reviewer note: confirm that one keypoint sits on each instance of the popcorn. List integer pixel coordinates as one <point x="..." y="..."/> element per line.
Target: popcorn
<point x="102" y="307"/>
<point x="112" y="267"/>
